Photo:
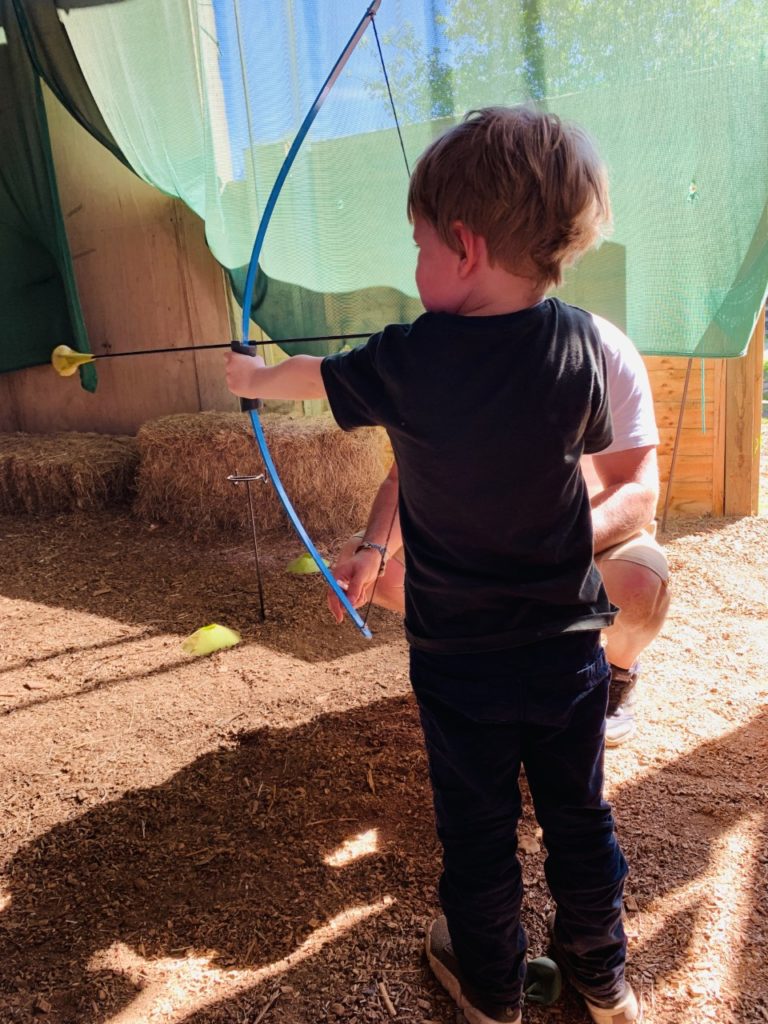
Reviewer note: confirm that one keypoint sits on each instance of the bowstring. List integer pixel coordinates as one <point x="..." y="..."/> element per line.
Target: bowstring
<point x="408" y="171"/>
<point x="391" y="97"/>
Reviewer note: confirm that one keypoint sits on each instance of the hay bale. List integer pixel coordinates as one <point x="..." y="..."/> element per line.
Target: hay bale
<point x="64" y="472"/>
<point x="330" y="476"/>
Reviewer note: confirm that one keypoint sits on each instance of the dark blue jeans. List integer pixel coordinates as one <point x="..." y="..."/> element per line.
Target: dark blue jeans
<point x="543" y="707"/>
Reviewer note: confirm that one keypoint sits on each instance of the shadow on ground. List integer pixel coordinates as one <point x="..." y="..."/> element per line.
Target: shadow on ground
<point x="226" y="864"/>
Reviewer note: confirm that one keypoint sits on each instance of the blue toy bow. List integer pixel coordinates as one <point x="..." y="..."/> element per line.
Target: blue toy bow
<point x="252" y="405"/>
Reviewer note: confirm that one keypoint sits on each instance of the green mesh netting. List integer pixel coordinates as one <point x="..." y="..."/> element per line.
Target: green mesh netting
<point x="38" y="297"/>
<point x="203" y="101"/>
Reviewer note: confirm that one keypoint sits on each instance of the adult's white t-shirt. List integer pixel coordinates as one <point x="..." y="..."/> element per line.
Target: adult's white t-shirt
<point x="629" y="397"/>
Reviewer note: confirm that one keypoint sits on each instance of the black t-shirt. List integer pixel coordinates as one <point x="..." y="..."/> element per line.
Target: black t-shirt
<point x="488" y="419"/>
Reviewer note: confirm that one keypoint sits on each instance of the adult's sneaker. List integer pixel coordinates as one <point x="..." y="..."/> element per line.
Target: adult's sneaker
<point x="620" y="722"/>
<point x="446" y="969"/>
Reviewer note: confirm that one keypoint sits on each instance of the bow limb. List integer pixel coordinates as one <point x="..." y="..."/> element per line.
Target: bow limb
<point x="298" y="526"/>
<point x="252" y="406"/>
<point x="290" y="156"/>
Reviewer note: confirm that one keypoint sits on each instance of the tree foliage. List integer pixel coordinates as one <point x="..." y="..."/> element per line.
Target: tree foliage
<point x="487" y="51"/>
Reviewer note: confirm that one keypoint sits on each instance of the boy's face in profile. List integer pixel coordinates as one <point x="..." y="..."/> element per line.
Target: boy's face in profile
<point x="440" y="288"/>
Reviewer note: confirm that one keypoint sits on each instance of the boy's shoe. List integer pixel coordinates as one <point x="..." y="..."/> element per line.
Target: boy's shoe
<point x="623" y="1011"/>
<point x="446" y="969"/>
<point x="620" y="724"/>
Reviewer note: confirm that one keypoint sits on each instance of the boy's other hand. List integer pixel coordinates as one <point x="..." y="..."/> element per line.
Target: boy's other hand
<point x="240" y="374"/>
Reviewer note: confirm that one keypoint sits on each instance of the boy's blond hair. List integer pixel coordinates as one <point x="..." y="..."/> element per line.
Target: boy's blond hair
<point x="533" y="186"/>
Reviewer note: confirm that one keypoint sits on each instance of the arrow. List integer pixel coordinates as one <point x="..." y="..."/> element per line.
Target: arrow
<point x="66" y="360"/>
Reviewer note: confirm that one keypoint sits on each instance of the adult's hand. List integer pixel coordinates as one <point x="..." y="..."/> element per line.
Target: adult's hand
<point x="356" y="573"/>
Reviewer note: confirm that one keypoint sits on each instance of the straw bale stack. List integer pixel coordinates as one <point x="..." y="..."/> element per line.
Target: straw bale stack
<point x="331" y="476"/>
<point x="64" y="472"/>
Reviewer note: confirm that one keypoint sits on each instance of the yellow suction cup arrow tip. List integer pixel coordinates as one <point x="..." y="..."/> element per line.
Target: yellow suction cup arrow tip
<point x="66" y="361"/>
<point x="209" y="639"/>
<point x="304" y="565"/>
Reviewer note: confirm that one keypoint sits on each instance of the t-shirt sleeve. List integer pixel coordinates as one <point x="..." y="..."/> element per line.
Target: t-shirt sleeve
<point x="599" y="432"/>
<point x="629" y="391"/>
<point x="357" y="384"/>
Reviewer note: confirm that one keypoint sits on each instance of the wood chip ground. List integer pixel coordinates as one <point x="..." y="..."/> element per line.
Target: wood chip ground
<point x="248" y="837"/>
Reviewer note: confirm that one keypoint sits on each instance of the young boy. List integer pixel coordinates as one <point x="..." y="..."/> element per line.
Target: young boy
<point x="504" y="606"/>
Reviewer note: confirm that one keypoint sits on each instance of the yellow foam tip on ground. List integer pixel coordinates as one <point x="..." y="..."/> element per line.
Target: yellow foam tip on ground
<point x="304" y="565"/>
<point x="66" y="361"/>
<point x="208" y="639"/>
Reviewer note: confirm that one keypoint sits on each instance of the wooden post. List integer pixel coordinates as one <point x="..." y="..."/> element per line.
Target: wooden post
<point x="742" y="427"/>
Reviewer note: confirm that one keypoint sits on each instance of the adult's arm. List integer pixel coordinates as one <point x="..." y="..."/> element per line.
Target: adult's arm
<point x="384" y="519"/>
<point x="627" y="496"/>
<point x="358" y="571"/>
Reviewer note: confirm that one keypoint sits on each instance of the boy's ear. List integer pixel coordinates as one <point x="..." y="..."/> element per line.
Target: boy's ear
<point x="470" y="247"/>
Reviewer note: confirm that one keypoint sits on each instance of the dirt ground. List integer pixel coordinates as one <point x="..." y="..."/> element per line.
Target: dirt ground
<point x="248" y="837"/>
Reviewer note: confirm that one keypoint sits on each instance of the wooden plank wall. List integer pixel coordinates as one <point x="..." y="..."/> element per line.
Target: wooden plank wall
<point x="718" y="463"/>
<point x="695" y="489"/>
